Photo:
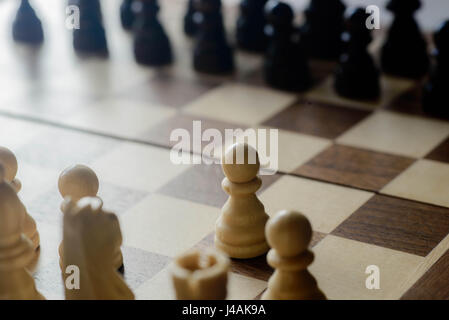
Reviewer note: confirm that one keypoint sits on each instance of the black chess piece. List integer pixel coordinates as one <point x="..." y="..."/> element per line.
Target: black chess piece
<point x="90" y="38"/>
<point x="27" y="27"/>
<point x="435" y="92"/>
<point x="323" y="27"/>
<point x="151" y="44"/>
<point x="356" y="75"/>
<point x="212" y="53"/>
<point x="250" y="26"/>
<point x="190" y="25"/>
<point x="405" y="53"/>
<point x="127" y="16"/>
<point x="285" y="65"/>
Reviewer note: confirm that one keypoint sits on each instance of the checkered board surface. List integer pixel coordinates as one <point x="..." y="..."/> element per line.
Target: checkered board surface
<point x="372" y="178"/>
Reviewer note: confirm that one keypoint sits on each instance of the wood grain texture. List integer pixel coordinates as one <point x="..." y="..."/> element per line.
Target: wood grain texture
<point x="354" y="167"/>
<point x="434" y="284"/>
<point x="397" y="224"/>
<point x="317" y="119"/>
<point x="257" y="267"/>
<point x="440" y="153"/>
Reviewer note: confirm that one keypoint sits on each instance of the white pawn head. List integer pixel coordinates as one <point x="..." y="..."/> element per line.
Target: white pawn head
<point x="78" y="182"/>
<point x="9" y="162"/>
<point x="240" y="163"/>
<point x="289" y="233"/>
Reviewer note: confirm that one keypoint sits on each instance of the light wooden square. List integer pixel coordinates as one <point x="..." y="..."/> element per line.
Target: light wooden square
<point x="390" y="89"/>
<point x="340" y="266"/>
<point x="36" y="181"/>
<point x="240" y="104"/>
<point x="326" y="205"/>
<point x="120" y="117"/>
<point x="167" y="225"/>
<point x="293" y="149"/>
<point x="424" y="181"/>
<point x="397" y="134"/>
<point x="160" y="287"/>
<point x="138" y="167"/>
<point x="15" y="133"/>
<point x="244" y="288"/>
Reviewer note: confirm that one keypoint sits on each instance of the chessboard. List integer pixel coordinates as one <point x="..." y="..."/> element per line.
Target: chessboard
<point x="373" y="178"/>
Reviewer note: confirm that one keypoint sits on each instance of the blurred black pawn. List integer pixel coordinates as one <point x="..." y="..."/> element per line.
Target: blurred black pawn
<point x="285" y="64"/>
<point x="190" y="26"/>
<point x="151" y="44"/>
<point x="323" y="27"/>
<point x="436" y="90"/>
<point x="356" y="76"/>
<point x="90" y="38"/>
<point x="127" y="16"/>
<point x="405" y="53"/>
<point x="250" y="26"/>
<point x="27" y="27"/>
<point x="212" y="54"/>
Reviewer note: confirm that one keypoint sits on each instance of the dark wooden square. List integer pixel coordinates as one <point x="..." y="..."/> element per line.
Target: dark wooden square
<point x="397" y="224"/>
<point x="206" y="188"/>
<point x="355" y="167"/>
<point x="434" y="284"/>
<point x="317" y="119"/>
<point x="440" y="153"/>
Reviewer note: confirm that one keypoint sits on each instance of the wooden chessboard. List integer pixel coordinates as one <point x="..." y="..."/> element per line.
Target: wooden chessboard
<point x="373" y="178"/>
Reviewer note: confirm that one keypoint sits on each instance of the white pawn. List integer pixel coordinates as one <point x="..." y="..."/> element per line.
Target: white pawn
<point x="79" y="182"/>
<point x="9" y="162"/>
<point x="240" y="229"/>
<point x="289" y="234"/>
<point x="16" y="250"/>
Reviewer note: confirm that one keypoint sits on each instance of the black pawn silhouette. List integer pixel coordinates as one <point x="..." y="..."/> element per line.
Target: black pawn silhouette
<point x="323" y="27"/>
<point x="405" y="53"/>
<point x="90" y="38"/>
<point x="435" y="93"/>
<point x="151" y="44"/>
<point x="27" y="27"/>
<point x="356" y="76"/>
<point x="250" y="26"/>
<point x="127" y="16"/>
<point x="190" y="25"/>
<point x="285" y="64"/>
<point x="212" y="54"/>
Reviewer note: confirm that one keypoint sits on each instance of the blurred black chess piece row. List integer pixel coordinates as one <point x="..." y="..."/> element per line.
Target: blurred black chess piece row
<point x="329" y="32"/>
